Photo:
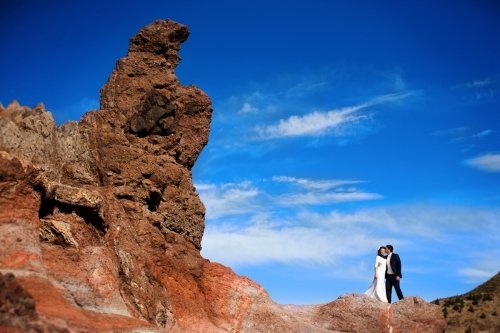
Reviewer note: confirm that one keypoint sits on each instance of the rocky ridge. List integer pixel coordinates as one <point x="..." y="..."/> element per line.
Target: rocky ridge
<point x="475" y="311"/>
<point x="101" y="227"/>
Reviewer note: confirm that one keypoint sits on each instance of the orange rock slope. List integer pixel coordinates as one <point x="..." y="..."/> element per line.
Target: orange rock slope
<point x="100" y="225"/>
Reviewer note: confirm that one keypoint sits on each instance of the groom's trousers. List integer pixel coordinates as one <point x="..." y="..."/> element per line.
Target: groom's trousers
<point x="389" y="283"/>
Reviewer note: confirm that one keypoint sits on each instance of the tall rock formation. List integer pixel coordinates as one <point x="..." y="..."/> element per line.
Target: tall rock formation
<point x="100" y="225"/>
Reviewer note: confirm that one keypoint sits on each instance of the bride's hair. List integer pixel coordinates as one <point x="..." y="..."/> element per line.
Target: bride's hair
<point x="379" y="253"/>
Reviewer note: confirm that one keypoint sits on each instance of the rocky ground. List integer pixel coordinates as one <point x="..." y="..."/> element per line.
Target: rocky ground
<point x="100" y="225"/>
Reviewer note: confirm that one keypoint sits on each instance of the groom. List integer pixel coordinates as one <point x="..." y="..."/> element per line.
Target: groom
<point x="393" y="274"/>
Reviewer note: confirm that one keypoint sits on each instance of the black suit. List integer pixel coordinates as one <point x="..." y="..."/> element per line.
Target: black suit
<point x="391" y="279"/>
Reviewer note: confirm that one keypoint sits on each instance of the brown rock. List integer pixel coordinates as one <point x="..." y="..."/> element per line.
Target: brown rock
<point x="413" y="314"/>
<point x="17" y="307"/>
<point x="57" y="232"/>
<point x="101" y="224"/>
<point x="358" y="313"/>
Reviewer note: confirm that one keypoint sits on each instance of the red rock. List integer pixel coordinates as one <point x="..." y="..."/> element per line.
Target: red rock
<point x="101" y="225"/>
<point x="358" y="313"/>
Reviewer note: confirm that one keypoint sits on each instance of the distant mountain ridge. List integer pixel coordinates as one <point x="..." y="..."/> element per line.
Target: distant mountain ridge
<point x="475" y="311"/>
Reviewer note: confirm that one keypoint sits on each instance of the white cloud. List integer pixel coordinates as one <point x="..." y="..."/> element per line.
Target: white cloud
<point x="485" y="266"/>
<point x="479" y="83"/>
<point x="474" y="273"/>
<point x="481" y="89"/>
<point x="440" y="222"/>
<point x="487" y="162"/>
<point x="228" y="199"/>
<point x="304" y="88"/>
<point x="465" y="136"/>
<point x="315" y="184"/>
<point x="204" y="187"/>
<point x="246" y="197"/>
<point x="319" y="123"/>
<point x="248" y="108"/>
<point x="321" y="192"/>
<point x="315" y="123"/>
<point x="391" y="98"/>
<point x="355" y="220"/>
<point x="322" y="198"/>
<point x="269" y="241"/>
<point x="475" y="84"/>
<point x="323" y="239"/>
<point x="483" y="133"/>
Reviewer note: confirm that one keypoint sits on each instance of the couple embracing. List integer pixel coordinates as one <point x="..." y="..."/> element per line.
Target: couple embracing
<point x="388" y="267"/>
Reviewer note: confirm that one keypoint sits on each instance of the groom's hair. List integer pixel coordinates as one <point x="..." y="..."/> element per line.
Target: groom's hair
<point x="390" y="248"/>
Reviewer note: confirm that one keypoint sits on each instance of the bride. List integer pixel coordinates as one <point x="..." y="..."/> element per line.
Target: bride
<point x="377" y="288"/>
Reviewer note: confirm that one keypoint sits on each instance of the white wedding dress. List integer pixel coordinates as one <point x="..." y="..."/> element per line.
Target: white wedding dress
<point x="377" y="288"/>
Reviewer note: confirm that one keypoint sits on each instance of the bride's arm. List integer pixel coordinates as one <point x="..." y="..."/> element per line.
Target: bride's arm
<point x="377" y="265"/>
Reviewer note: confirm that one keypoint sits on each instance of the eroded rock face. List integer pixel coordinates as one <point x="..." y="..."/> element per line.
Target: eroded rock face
<point x="100" y="222"/>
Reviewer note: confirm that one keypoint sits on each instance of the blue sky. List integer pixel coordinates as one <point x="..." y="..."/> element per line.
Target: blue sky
<point x="338" y="126"/>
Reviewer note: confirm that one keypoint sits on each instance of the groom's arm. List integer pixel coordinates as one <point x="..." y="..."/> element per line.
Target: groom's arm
<point x="398" y="266"/>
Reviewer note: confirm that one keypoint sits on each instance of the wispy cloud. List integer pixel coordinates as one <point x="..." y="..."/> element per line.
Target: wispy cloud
<point x="280" y="93"/>
<point x="292" y="105"/>
<point x="475" y="84"/>
<point x="304" y="88"/>
<point x="391" y="98"/>
<point x="204" y="187"/>
<point x="487" y="162"/>
<point x="248" y="108"/>
<point x="315" y="184"/>
<point x="479" y="83"/>
<point x="312" y="124"/>
<point x="323" y="239"/>
<point x="478" y="273"/>
<point x="483" y="133"/>
<point x="467" y="137"/>
<point x="322" y="198"/>
<point x="319" y="123"/>
<point x="228" y="199"/>
<point x="246" y="197"/>
<point x="482" y="89"/>
<point x="485" y="266"/>
<point x="268" y="239"/>
<point x="435" y="222"/>
<point x="321" y="192"/>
